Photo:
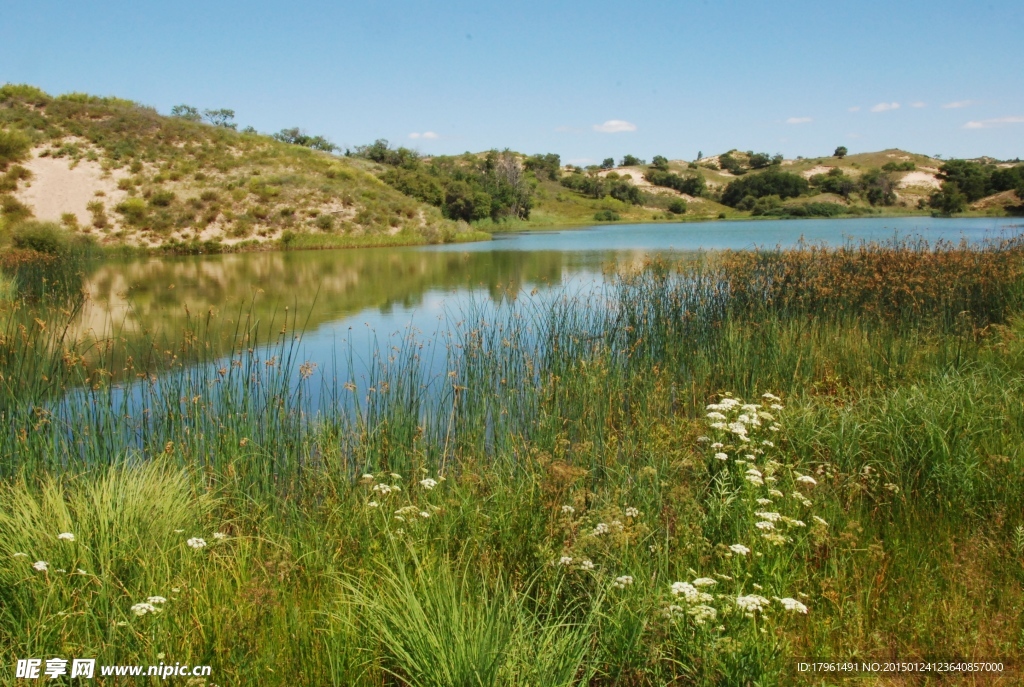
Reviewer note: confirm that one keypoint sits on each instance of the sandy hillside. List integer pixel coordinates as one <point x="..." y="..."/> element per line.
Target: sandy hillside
<point x="57" y="187"/>
<point x="820" y="169"/>
<point x="636" y="175"/>
<point x="920" y="179"/>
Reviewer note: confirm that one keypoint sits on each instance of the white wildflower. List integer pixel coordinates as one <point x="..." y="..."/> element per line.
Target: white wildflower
<point x="775" y="538"/>
<point x="565" y="560"/>
<point x="753" y="471"/>
<point x="715" y="416"/>
<point x="703" y="439"/>
<point x="820" y="521"/>
<point x="395" y="475"/>
<point x="751" y="603"/>
<point x="703" y="613"/>
<point x="156" y="600"/>
<point x="777" y="406"/>
<point x="793" y="605"/>
<point x="740" y="549"/>
<point x="20" y="555"/>
<point x="765" y="525"/>
<point x="568" y="510"/>
<point x="770" y="397"/>
<point x="372" y="504"/>
<point x="599" y="529"/>
<point x="894" y="488"/>
<point x="719" y="425"/>
<point x="424" y="514"/>
<point x="806" y="479"/>
<point x="764" y="502"/>
<point x="66" y="536"/>
<point x="768" y="443"/>
<point x="367" y="478"/>
<point x="775" y="493"/>
<point x="770" y="517"/>
<point x="623" y="581"/>
<point x="704" y="582"/>
<point x="428" y="483"/>
<point x="382" y="489"/>
<point x="632" y="512"/>
<point x="220" y="536"/>
<point x="586" y="564"/>
<point x="754" y="479"/>
<point x="717" y="444"/>
<point x="196" y="542"/>
<point x="721" y="456"/>
<point x="143" y="609"/>
<point x="41" y="566"/>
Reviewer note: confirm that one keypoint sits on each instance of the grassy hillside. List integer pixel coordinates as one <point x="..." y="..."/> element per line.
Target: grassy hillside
<point x="123" y="173"/>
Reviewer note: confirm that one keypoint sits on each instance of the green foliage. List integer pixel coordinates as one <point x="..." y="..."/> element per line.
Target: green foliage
<point x="904" y="166"/>
<point x="690" y="185"/>
<point x="607" y="216"/>
<point x="13" y="210"/>
<point x="771" y="182"/>
<point x="381" y="151"/>
<point x="15" y="174"/>
<point x="659" y="162"/>
<point x="971" y="178"/>
<point x="630" y="161"/>
<point x="42" y="237"/>
<point x="760" y="160"/>
<point x="949" y="200"/>
<point x="677" y="206"/>
<point x="134" y="210"/>
<point x="835" y="181"/>
<point x="608" y="163"/>
<point x="463" y="201"/>
<point x="418" y="183"/>
<point x="186" y="112"/>
<point x="295" y="136"/>
<point x="548" y="165"/>
<point x="840" y="152"/>
<point x="878" y="187"/>
<point x="14" y="146"/>
<point x="162" y="199"/>
<point x="222" y="118"/>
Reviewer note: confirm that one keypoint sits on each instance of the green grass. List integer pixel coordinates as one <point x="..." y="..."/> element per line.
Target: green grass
<point x="563" y="430"/>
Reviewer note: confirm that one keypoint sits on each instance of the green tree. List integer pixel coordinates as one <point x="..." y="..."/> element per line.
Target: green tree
<point x="222" y="118"/>
<point x="186" y="112"/>
<point x="771" y="182"/>
<point x="760" y="160"/>
<point x="462" y="201"/>
<point x="878" y="187"/>
<point x="608" y="163"/>
<point x="840" y="152"/>
<point x="297" y="136"/>
<point x="677" y="206"/>
<point x="949" y="199"/>
<point x="660" y="162"/>
<point x="14" y="146"/>
<point x="630" y="161"/>
<point x="971" y="178"/>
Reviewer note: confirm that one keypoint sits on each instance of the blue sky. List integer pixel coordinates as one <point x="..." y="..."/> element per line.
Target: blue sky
<point x="586" y="80"/>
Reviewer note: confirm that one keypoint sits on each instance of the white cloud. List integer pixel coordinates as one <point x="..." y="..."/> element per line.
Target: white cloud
<point x="989" y="123"/>
<point x="614" y="126"/>
<point x="957" y="104"/>
<point x="798" y="120"/>
<point x="855" y="108"/>
<point x="919" y="104"/>
<point x="429" y="135"/>
<point x="885" y="107"/>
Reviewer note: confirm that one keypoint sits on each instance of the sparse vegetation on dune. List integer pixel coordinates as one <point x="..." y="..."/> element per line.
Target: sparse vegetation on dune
<point x="180" y="181"/>
<point x="694" y="476"/>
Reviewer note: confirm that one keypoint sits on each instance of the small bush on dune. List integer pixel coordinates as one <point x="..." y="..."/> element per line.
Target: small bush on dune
<point x="14" y="146"/>
<point x="42" y="237"/>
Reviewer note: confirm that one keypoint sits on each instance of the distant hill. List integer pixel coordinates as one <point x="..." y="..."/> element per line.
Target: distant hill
<point x="123" y="173"/>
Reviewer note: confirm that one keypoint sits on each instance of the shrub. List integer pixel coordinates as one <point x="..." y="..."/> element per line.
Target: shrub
<point x="42" y="237"/>
<point x="770" y="183"/>
<point x="134" y="211"/>
<point x="99" y="214"/>
<point x="677" y="207"/>
<point x="14" y="145"/>
<point x="607" y="216"/>
<point x="325" y="222"/>
<point x="13" y="210"/>
<point x="69" y="220"/>
<point x="162" y="199"/>
<point x="905" y="166"/>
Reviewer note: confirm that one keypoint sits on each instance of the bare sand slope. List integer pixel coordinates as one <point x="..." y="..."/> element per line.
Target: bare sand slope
<point x="920" y="179"/>
<point x="56" y="188"/>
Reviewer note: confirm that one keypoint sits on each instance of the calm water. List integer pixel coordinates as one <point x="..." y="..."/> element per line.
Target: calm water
<point x="360" y="300"/>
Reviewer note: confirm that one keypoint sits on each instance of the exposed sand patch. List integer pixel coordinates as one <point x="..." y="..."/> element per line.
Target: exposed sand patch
<point x="820" y="169"/>
<point x="56" y="188"/>
<point x="919" y="179"/>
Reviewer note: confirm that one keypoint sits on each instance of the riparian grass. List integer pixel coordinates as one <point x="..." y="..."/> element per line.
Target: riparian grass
<point x="531" y="515"/>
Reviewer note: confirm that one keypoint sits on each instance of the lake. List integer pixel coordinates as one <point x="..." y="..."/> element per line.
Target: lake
<point x="355" y="302"/>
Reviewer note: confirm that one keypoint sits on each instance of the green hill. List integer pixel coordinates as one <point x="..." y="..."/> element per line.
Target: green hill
<point x="122" y="173"/>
